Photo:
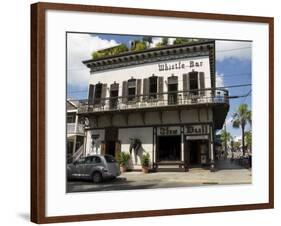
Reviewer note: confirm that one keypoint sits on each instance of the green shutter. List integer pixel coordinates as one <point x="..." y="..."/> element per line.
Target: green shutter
<point x="202" y="83"/>
<point x="103" y="93"/>
<point x="160" y="88"/>
<point x="185" y="85"/>
<point x="124" y="92"/>
<point x="91" y="94"/>
<point x="138" y="89"/>
<point x="145" y="88"/>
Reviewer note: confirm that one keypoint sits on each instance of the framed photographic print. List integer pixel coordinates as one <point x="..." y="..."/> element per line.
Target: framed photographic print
<point x="141" y="112"/>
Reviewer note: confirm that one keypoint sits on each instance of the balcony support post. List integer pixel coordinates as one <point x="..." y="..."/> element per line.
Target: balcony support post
<point x="212" y="162"/>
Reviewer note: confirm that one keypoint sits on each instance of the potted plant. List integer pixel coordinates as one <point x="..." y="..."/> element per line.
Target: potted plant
<point x="123" y="159"/>
<point x="145" y="162"/>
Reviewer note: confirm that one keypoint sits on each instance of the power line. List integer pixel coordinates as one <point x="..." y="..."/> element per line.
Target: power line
<point x="229" y="50"/>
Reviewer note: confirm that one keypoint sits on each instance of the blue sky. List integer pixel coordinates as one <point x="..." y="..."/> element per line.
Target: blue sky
<point x="233" y="66"/>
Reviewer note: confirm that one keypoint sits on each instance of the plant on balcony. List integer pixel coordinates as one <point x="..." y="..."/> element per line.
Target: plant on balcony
<point x="145" y="162"/>
<point x="112" y="51"/>
<point x="179" y="41"/>
<point x="139" y="45"/>
<point x="164" y="42"/>
<point x="123" y="160"/>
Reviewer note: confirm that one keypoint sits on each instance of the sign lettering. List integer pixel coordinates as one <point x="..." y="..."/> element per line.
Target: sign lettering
<point x="196" y="129"/>
<point x="165" y="131"/>
<point x="179" y="65"/>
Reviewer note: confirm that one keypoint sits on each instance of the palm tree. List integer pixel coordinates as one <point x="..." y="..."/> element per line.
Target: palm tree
<point x="225" y="138"/>
<point x="240" y="119"/>
<point x="248" y="140"/>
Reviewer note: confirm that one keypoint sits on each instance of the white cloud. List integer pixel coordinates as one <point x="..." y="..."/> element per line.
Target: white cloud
<point x="155" y="40"/>
<point x="80" y="47"/>
<point x="233" y="49"/>
<point x="219" y="80"/>
<point x="171" y="41"/>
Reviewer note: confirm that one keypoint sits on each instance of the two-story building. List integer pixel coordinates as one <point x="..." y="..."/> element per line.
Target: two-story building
<point x="163" y="101"/>
<point x="74" y="131"/>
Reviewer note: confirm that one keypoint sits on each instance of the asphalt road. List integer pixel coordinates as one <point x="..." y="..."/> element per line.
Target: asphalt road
<point x="138" y="180"/>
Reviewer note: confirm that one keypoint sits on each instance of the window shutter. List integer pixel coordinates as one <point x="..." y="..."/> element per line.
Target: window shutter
<point x="138" y="89"/>
<point x="145" y="88"/>
<point x="124" y="92"/>
<point x="185" y="84"/>
<point x="91" y="94"/>
<point x="103" y="93"/>
<point x="202" y="83"/>
<point x="160" y="88"/>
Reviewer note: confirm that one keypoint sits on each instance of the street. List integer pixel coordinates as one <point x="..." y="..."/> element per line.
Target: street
<point x="139" y="180"/>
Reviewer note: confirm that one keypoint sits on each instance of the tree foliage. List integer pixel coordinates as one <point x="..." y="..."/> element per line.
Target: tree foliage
<point x="139" y="45"/>
<point x="110" y="51"/>
<point x="248" y="139"/>
<point x="164" y="42"/>
<point x="240" y="118"/>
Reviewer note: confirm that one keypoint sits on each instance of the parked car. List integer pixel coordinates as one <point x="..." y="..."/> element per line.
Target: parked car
<point x="94" y="167"/>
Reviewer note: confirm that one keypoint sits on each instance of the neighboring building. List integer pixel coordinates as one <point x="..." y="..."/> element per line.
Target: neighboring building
<point x="75" y="131"/>
<point x="162" y="101"/>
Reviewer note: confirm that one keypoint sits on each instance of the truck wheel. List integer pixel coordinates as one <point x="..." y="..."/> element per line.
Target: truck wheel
<point x="97" y="177"/>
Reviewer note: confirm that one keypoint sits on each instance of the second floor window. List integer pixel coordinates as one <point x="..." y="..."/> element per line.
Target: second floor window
<point x="193" y="83"/>
<point x="172" y="89"/>
<point x="132" y="89"/>
<point x="153" y="87"/>
<point x="114" y="88"/>
<point x="98" y="91"/>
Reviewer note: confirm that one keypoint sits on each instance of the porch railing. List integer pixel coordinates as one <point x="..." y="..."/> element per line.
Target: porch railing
<point x="176" y="98"/>
<point x="75" y="128"/>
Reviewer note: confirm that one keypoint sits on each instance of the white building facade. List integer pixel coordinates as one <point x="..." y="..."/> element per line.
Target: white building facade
<point x="162" y="101"/>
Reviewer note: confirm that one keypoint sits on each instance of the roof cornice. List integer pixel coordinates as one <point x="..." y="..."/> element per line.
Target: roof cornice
<point x="152" y="55"/>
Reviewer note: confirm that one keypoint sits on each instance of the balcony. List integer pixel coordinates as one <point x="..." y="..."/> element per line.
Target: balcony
<point x="168" y="100"/>
<point x="75" y="129"/>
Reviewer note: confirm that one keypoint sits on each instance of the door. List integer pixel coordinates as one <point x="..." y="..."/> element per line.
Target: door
<point x="111" y="140"/>
<point x="110" y="148"/>
<point x="169" y="148"/>
<point x="173" y="95"/>
<point x="196" y="152"/>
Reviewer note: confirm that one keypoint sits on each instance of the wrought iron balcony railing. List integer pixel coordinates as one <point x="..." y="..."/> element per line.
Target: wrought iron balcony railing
<point x="75" y="128"/>
<point x="176" y="98"/>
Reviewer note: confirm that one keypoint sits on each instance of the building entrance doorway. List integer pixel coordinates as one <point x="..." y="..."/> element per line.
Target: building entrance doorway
<point x="196" y="152"/>
<point x="169" y="148"/>
<point x="111" y="138"/>
<point x="110" y="148"/>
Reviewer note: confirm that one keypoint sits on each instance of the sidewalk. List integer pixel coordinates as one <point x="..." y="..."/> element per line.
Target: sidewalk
<point x="192" y="177"/>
